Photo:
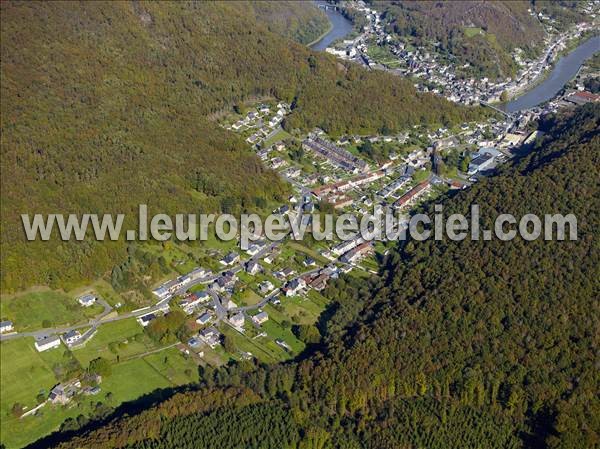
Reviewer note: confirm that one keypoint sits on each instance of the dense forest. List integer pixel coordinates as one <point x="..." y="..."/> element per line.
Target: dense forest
<point x="106" y="105"/>
<point x="470" y="344"/>
<point x="481" y="34"/>
<point x="300" y="21"/>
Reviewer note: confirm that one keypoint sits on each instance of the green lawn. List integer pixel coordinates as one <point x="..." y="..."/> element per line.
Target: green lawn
<point x="369" y="263"/>
<point x="296" y="310"/>
<point x="298" y="247"/>
<point x="128" y="336"/>
<point x="420" y="175"/>
<point x="25" y="373"/>
<point x="255" y="346"/>
<point x="275" y="330"/>
<point x="472" y="31"/>
<point x="35" y="310"/>
<point x="172" y="365"/>
<point x="383" y="55"/>
<point x="247" y="298"/>
<point x="281" y="135"/>
<point x="130" y="380"/>
<point x="318" y="299"/>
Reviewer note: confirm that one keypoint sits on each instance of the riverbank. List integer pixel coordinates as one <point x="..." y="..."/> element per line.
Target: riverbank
<point x="570" y="46"/>
<point x="322" y="36"/>
<point x="339" y="27"/>
<point x="563" y="70"/>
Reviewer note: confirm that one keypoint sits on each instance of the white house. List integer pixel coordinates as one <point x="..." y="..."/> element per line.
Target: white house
<point x="210" y="336"/>
<point x="87" y="300"/>
<point x="265" y="286"/>
<point x="197" y="273"/>
<point x="237" y="320"/>
<point x="71" y="337"/>
<point x="260" y="318"/>
<point x="253" y="249"/>
<point x="270" y="258"/>
<point x="6" y="326"/>
<point x="252" y="267"/>
<point x="47" y="342"/>
<point x="294" y="287"/>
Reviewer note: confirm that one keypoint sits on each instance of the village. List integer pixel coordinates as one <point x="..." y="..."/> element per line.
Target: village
<point x="430" y="71"/>
<point x="246" y="304"/>
<point x="251" y="305"/>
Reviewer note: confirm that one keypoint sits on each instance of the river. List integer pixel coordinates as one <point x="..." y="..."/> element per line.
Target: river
<point x="340" y="27"/>
<point x="563" y="71"/>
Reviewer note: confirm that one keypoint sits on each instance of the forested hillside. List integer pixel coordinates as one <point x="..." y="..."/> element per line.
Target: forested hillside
<point x="479" y="33"/>
<point x="106" y="105"/>
<point x="466" y="344"/>
<point x="302" y="21"/>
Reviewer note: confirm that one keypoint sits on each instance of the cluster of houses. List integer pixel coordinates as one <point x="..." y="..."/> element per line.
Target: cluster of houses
<point x="411" y="197"/>
<point x="572" y="99"/>
<point x="404" y="178"/>
<point x="225" y="282"/>
<point x="334" y="154"/>
<point x="357" y="253"/>
<point x="171" y="287"/>
<point x="191" y="301"/>
<point x="262" y="121"/>
<point x="443" y="78"/>
<point x="71" y="338"/>
<point x="63" y="393"/>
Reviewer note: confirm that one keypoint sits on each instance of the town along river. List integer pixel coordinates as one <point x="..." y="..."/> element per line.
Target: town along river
<point x="564" y="70"/>
<point x="340" y="27"/>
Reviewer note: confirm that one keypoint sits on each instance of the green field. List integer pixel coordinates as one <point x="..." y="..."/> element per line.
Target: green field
<point x="25" y="373"/>
<point x="298" y="247"/>
<point x="472" y="31"/>
<point x="278" y="136"/>
<point x="383" y="55"/>
<point x="131" y="379"/>
<point x="127" y="336"/>
<point x="247" y="298"/>
<point x="256" y="346"/>
<point x="296" y="310"/>
<point x="36" y="310"/>
<point x="173" y="366"/>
